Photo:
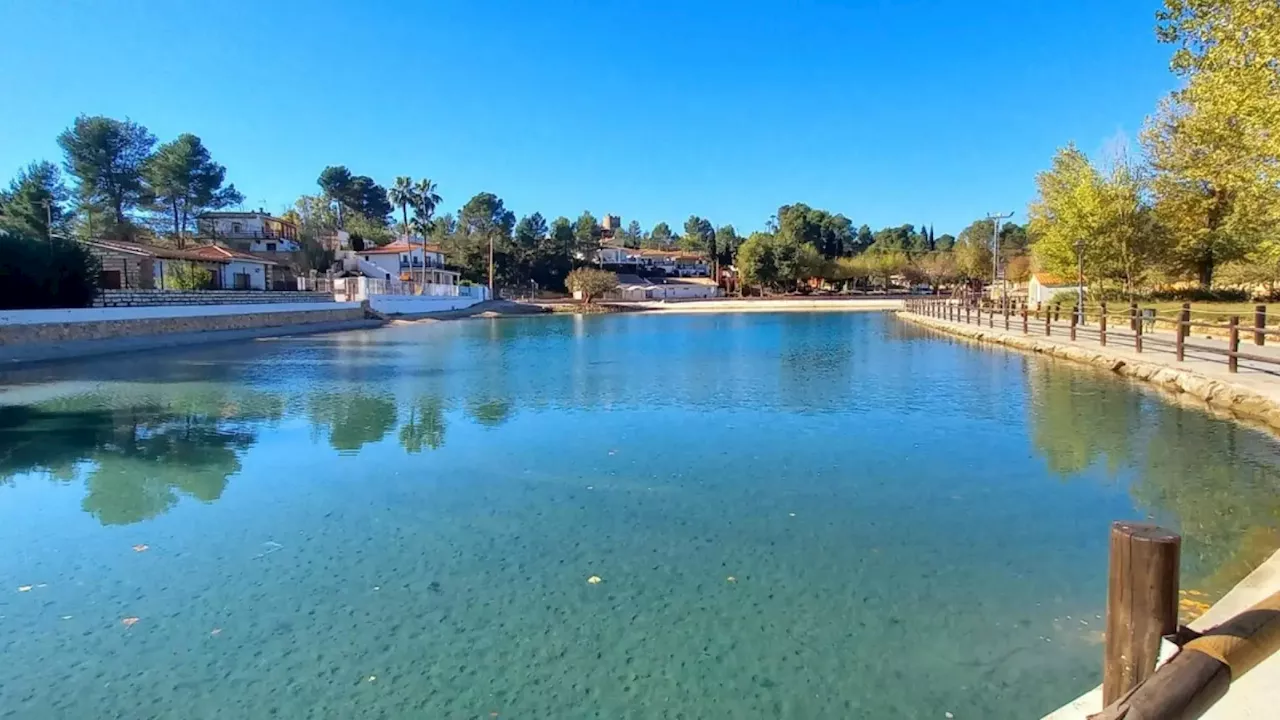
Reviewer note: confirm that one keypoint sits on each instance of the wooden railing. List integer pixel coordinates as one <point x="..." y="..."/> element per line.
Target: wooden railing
<point x="1145" y="329"/>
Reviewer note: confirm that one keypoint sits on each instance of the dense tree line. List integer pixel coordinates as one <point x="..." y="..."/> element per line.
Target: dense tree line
<point x="1202" y="200"/>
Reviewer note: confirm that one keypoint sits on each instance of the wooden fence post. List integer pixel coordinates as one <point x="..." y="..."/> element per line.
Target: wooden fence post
<point x="1133" y="316"/>
<point x="1024" y="317"/>
<point x="1142" y="604"/>
<point x="1037" y="311"/>
<point x="1102" y="324"/>
<point x="1180" y="337"/>
<point x="1259" y="324"/>
<point x="1048" y="318"/>
<point x="1057" y="312"/>
<point x="991" y="315"/>
<point x="1233" y="344"/>
<point x="1075" y="315"/>
<point x="1137" y="331"/>
<point x="1006" y="314"/>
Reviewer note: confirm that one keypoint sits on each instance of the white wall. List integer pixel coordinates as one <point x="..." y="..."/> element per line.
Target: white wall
<point x="416" y="304"/>
<point x="389" y="262"/>
<point x="71" y="315"/>
<point x="281" y="245"/>
<point x="256" y="271"/>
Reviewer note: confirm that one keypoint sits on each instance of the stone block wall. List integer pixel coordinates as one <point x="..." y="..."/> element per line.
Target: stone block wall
<point x="143" y="298"/>
<point x="59" y="332"/>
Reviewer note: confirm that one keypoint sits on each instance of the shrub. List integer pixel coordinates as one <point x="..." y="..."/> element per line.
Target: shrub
<point x="46" y="274"/>
<point x="187" y="276"/>
<point x="590" y="282"/>
<point x="1200" y="295"/>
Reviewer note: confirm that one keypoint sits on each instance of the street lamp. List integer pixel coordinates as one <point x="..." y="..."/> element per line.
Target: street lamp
<point x="1080" y="279"/>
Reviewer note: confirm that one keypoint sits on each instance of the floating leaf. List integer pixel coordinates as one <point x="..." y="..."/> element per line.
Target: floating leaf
<point x="24" y="588"/>
<point x="594" y="580"/>
<point x="141" y="548"/>
<point x="731" y="579"/>
<point x="215" y="632"/>
<point x="129" y="621"/>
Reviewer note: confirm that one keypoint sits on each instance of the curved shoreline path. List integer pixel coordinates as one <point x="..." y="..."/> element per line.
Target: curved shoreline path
<point x="1252" y="394"/>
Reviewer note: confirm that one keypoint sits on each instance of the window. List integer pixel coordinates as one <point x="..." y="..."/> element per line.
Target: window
<point x="241" y="280"/>
<point x="236" y="227"/>
<point x="271" y="247"/>
<point x="109" y="280"/>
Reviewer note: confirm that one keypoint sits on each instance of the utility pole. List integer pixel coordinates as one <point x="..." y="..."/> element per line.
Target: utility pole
<point x="491" y="295"/>
<point x="996" y="219"/>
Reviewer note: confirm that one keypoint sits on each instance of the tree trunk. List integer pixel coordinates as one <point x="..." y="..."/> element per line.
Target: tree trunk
<point x="177" y="231"/>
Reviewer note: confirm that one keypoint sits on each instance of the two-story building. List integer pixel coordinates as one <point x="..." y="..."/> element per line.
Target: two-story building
<point x="248" y="231"/>
<point x="409" y="260"/>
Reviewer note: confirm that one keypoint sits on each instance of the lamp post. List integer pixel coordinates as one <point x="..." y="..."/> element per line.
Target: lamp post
<point x="996" y="219"/>
<point x="1080" y="279"/>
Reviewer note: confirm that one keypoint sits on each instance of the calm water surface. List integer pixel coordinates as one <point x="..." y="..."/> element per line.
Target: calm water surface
<point x="791" y="516"/>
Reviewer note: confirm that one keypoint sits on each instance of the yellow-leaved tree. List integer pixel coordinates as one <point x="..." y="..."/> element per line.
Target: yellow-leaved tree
<point x="1214" y="144"/>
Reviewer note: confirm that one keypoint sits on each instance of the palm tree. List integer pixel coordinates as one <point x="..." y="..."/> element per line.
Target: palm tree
<point x="402" y="194"/>
<point x="425" y="199"/>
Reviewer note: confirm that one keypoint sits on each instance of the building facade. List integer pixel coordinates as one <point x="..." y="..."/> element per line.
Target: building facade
<point x="248" y="231"/>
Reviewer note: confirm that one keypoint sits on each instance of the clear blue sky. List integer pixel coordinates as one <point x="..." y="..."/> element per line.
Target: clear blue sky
<point x="889" y="111"/>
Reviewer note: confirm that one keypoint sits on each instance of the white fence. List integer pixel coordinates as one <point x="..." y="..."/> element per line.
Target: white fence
<point x="365" y="288"/>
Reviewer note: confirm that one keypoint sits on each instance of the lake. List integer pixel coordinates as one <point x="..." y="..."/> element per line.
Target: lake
<point x="631" y="516"/>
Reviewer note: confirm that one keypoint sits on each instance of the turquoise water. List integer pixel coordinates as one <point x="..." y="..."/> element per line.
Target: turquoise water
<point x="790" y="516"/>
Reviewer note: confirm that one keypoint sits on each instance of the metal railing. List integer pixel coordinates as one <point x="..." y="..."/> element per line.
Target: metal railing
<point x="1145" y="329"/>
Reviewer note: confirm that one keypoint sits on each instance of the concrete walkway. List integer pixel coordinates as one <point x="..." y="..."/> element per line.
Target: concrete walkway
<point x="1255" y="389"/>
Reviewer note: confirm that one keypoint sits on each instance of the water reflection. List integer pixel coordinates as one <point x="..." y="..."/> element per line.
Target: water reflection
<point x="1218" y="483"/>
<point x="139" y="446"/>
<point x="136" y="460"/>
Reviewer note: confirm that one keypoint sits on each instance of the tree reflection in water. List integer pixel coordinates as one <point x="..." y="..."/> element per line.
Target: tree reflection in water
<point x="1217" y="483"/>
<point x="137" y="457"/>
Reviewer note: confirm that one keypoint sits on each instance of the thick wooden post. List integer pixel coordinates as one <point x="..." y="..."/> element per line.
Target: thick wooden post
<point x="966" y="312"/>
<point x="1133" y="316"/>
<point x="1048" y="318"/>
<point x="1006" y="314"/>
<point x="1075" y="315"/>
<point x="1102" y="324"/>
<point x="1057" y="312"/>
<point x="1037" y="311"/>
<point x="1259" y="323"/>
<point x="1024" y="317"/>
<point x="1142" y="604"/>
<point x="1184" y="326"/>
<point x="991" y="315"/>
<point x="1233" y="345"/>
<point x="1137" y="332"/>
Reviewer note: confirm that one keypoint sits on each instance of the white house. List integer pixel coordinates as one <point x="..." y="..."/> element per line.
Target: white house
<point x="1043" y="286"/>
<point x="127" y="265"/>
<point x="249" y="231"/>
<point x="237" y="270"/>
<point x="613" y="255"/>
<point x="408" y="260"/>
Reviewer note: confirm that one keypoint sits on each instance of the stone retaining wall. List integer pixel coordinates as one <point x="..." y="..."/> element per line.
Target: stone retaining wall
<point x="140" y="298"/>
<point x="1234" y="399"/>
<point x="56" y="332"/>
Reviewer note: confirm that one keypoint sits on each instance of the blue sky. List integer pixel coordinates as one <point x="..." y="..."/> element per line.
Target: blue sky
<point x="890" y="111"/>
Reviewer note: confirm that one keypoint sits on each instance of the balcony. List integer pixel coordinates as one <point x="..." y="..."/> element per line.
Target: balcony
<point x="420" y="265"/>
<point x="233" y="234"/>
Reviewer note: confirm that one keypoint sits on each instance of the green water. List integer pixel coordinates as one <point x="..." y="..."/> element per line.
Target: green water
<point x="401" y="523"/>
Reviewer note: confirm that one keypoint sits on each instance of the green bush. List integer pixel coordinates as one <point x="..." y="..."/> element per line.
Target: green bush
<point x="36" y="273"/>
<point x="187" y="276"/>
<point x="1199" y="295"/>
